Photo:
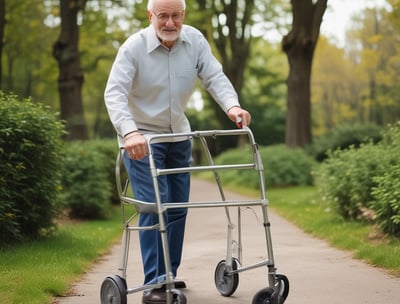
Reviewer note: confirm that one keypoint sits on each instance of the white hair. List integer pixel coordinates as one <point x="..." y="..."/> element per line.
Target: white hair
<point x="150" y="5"/>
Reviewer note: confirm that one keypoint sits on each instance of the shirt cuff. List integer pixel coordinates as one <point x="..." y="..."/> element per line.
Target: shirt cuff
<point x="127" y="126"/>
<point x="230" y="103"/>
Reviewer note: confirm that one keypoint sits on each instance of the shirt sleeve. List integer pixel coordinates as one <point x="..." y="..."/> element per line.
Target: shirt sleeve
<point x="214" y="79"/>
<point x="117" y="90"/>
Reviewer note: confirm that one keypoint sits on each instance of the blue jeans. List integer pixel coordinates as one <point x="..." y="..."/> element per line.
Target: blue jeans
<point x="173" y="188"/>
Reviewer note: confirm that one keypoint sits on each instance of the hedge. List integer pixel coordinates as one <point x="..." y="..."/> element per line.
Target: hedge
<point x="30" y="165"/>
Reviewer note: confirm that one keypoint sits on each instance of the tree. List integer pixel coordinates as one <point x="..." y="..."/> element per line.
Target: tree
<point x="299" y="45"/>
<point x="335" y="87"/>
<point x="28" y="36"/>
<point x="70" y="80"/>
<point x="2" y="26"/>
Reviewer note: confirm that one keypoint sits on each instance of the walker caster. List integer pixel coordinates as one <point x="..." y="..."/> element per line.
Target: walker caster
<point x="178" y="297"/>
<point x="264" y="296"/>
<point x="226" y="283"/>
<point x="270" y="295"/>
<point x="113" y="290"/>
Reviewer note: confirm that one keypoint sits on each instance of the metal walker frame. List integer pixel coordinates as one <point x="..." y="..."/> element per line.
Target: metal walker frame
<point x="114" y="288"/>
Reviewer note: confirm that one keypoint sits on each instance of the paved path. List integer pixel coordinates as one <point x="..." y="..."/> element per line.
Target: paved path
<point x="318" y="274"/>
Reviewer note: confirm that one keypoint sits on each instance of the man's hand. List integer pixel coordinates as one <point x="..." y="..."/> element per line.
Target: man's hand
<point x="135" y="145"/>
<point x="239" y="116"/>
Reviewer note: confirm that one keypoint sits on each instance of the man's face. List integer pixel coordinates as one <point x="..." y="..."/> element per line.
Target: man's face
<point x="167" y="18"/>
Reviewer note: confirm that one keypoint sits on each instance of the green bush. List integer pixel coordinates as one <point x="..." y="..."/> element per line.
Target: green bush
<point x="86" y="186"/>
<point x="355" y="180"/>
<point x="109" y="149"/>
<point x="282" y="167"/>
<point x="30" y="166"/>
<point x="343" y="137"/>
<point x="387" y="200"/>
<point x="347" y="176"/>
<point x="386" y="194"/>
<point x="285" y="166"/>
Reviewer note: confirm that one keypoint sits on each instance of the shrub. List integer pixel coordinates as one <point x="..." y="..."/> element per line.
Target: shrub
<point x="386" y="194"/>
<point x="109" y="149"/>
<point x="86" y="187"/>
<point x="346" y="178"/>
<point x="285" y="166"/>
<point x="387" y="200"/>
<point x="342" y="137"/>
<point x="30" y="166"/>
<point x="282" y="167"/>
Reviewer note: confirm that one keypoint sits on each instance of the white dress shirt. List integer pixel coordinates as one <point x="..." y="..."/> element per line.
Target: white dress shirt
<point x="149" y="85"/>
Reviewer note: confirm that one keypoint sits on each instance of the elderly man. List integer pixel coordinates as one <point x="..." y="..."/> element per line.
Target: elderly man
<point x="149" y="86"/>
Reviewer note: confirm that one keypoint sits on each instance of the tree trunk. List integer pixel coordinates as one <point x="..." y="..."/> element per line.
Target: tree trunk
<point x="299" y="45"/>
<point x="70" y="80"/>
<point x="2" y="26"/>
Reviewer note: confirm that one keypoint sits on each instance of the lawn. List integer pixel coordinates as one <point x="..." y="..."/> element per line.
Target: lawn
<point x="36" y="271"/>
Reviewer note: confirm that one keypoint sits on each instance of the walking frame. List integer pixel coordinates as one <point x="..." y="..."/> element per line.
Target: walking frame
<point x="114" y="288"/>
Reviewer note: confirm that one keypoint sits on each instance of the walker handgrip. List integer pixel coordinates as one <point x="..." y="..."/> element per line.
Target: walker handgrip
<point x="239" y="123"/>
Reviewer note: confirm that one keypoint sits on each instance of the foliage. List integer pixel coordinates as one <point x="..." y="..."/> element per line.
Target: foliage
<point x="86" y="186"/>
<point x="30" y="165"/>
<point x="282" y="167"/>
<point x="267" y="123"/>
<point x="386" y="192"/>
<point x="358" y="83"/>
<point x="347" y="176"/>
<point x="264" y="92"/>
<point x="387" y="200"/>
<point x="333" y="97"/>
<point x="343" y="136"/>
<point x="356" y="180"/>
<point x="287" y="166"/>
<point x="28" y="67"/>
<point x="108" y="148"/>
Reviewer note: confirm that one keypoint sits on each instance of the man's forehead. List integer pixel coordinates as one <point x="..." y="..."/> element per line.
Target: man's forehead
<point x="168" y="5"/>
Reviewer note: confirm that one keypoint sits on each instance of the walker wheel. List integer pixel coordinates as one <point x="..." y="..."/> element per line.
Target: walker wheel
<point x="282" y="284"/>
<point x="178" y="297"/>
<point x="226" y="283"/>
<point x="276" y="295"/>
<point x="264" y="296"/>
<point x="113" y="290"/>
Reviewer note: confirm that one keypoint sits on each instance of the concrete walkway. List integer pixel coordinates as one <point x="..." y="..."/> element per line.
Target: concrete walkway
<point x="318" y="274"/>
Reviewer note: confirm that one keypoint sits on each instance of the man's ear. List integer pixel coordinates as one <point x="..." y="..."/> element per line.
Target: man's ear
<point x="149" y="15"/>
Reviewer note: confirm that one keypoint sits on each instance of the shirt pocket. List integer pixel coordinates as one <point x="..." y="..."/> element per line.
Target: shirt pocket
<point x="186" y="80"/>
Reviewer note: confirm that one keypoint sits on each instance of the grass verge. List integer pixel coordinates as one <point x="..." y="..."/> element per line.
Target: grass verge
<point x="303" y="207"/>
<point x="36" y="271"/>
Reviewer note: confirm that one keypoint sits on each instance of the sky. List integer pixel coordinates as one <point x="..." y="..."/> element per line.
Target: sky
<point x="339" y="12"/>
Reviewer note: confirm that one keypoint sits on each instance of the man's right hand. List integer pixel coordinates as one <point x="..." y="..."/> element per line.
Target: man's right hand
<point x="135" y="145"/>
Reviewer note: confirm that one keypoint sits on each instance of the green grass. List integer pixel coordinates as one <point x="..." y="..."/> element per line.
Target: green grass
<point x="303" y="207"/>
<point x="36" y="271"/>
